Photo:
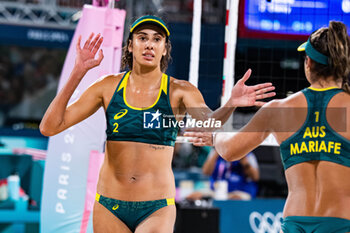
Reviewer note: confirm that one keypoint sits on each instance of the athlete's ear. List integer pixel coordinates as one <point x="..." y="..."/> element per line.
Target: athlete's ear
<point x="130" y="45"/>
<point x="165" y="49"/>
<point x="308" y="62"/>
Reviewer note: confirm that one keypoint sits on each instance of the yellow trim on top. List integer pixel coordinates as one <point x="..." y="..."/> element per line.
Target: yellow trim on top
<point x="154" y="20"/>
<point x="323" y="89"/>
<point x="125" y="80"/>
<point x="170" y="201"/>
<point x="163" y="87"/>
<point x="164" y="84"/>
<point x="97" y="197"/>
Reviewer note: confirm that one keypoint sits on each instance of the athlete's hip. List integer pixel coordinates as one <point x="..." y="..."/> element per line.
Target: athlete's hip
<point x="319" y="205"/>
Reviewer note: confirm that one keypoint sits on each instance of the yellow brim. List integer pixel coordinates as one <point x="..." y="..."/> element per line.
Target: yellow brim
<point x="302" y="47"/>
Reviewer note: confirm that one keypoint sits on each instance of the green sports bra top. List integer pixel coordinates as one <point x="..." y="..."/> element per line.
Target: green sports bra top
<point x="146" y="125"/>
<point x="316" y="140"/>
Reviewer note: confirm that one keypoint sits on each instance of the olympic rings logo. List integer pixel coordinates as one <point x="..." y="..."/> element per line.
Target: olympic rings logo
<point x="266" y="223"/>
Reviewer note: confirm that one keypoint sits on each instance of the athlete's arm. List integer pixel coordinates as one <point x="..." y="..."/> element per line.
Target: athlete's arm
<point x="234" y="146"/>
<point x="241" y="96"/>
<point x="58" y="116"/>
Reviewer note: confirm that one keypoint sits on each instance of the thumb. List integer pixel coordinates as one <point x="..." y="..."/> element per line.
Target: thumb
<point x="246" y="76"/>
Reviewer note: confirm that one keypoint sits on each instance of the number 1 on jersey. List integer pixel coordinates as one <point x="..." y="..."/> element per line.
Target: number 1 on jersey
<point x="317" y="116"/>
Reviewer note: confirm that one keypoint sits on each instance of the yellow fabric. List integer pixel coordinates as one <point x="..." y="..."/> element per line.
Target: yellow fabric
<point x="153" y="20"/>
<point x="170" y="201"/>
<point x="97" y="197"/>
<point x="323" y="89"/>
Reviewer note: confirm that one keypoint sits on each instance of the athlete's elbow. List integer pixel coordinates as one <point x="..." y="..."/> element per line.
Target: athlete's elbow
<point x="46" y="131"/>
<point x="224" y="153"/>
<point x="230" y="155"/>
<point x="227" y="156"/>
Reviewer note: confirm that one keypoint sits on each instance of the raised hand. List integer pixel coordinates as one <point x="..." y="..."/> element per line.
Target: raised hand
<point x="85" y="59"/>
<point x="243" y="95"/>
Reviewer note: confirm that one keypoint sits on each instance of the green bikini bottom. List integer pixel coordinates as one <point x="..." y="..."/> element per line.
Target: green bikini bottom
<point x="132" y="213"/>
<point x="308" y="224"/>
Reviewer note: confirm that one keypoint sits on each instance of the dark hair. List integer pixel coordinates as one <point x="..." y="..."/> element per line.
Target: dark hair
<point x="333" y="42"/>
<point x="127" y="56"/>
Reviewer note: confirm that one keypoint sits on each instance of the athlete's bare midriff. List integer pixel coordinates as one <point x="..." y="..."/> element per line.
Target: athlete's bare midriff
<point x="134" y="171"/>
<point x="318" y="188"/>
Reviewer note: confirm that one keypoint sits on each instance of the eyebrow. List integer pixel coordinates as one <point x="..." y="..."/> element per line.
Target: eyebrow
<point x="154" y="34"/>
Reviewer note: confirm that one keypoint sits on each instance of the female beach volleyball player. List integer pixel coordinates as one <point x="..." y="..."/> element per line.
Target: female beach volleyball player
<point x="136" y="185"/>
<point x="314" y="143"/>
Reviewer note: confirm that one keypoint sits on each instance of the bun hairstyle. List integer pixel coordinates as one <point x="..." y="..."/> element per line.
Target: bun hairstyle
<point x="333" y="42"/>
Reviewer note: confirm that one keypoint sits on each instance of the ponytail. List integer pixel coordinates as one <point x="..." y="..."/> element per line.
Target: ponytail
<point x="339" y="50"/>
<point x="333" y="42"/>
<point x="346" y="86"/>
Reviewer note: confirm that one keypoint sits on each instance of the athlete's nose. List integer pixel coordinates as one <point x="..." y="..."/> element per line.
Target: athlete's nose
<point x="149" y="45"/>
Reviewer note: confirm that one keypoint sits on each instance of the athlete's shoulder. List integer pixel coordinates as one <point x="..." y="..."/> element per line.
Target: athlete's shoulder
<point x="294" y="100"/>
<point x="181" y="85"/>
<point x="107" y="81"/>
<point x="341" y="99"/>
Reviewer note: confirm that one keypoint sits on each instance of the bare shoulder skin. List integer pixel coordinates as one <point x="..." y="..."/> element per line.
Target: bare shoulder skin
<point x="185" y="97"/>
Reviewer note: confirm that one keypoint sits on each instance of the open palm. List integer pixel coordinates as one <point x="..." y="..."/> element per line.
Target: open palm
<point x="85" y="59"/>
<point x="243" y="95"/>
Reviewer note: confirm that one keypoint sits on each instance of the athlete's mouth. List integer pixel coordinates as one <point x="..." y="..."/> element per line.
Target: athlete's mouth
<point x="148" y="55"/>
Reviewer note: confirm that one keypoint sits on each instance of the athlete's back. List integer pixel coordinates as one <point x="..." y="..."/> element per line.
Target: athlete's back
<point x="317" y="187"/>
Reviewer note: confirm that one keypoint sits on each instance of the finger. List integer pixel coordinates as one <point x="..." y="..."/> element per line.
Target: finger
<point x="246" y="76"/>
<point x="264" y="90"/>
<point x="202" y="143"/>
<point x="100" y="57"/>
<point x="97" y="46"/>
<point x="78" y="43"/>
<point x="94" y="41"/>
<point x="195" y="140"/>
<point x="260" y="103"/>
<point x="93" y="63"/>
<point x="86" y="45"/>
<point x="261" y="86"/>
<point x="199" y="144"/>
<point x="190" y="134"/>
<point x="266" y="95"/>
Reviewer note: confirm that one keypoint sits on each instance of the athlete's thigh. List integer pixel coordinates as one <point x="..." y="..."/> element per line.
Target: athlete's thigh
<point x="161" y="221"/>
<point x="104" y="221"/>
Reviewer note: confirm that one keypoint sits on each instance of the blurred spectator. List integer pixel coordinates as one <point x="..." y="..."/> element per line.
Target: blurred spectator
<point x="28" y="81"/>
<point x="241" y="176"/>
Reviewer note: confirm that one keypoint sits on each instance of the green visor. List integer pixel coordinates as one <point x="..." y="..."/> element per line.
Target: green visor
<point x="313" y="53"/>
<point x="150" y="19"/>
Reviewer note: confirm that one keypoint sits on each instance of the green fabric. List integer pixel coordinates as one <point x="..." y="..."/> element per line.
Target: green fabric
<point x="307" y="224"/>
<point x="150" y="19"/>
<point x="313" y="53"/>
<point x="132" y="125"/>
<point x="316" y="140"/>
<point x="132" y="213"/>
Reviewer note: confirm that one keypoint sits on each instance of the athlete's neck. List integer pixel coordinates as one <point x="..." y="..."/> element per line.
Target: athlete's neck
<point x="145" y="77"/>
<point x="321" y="84"/>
